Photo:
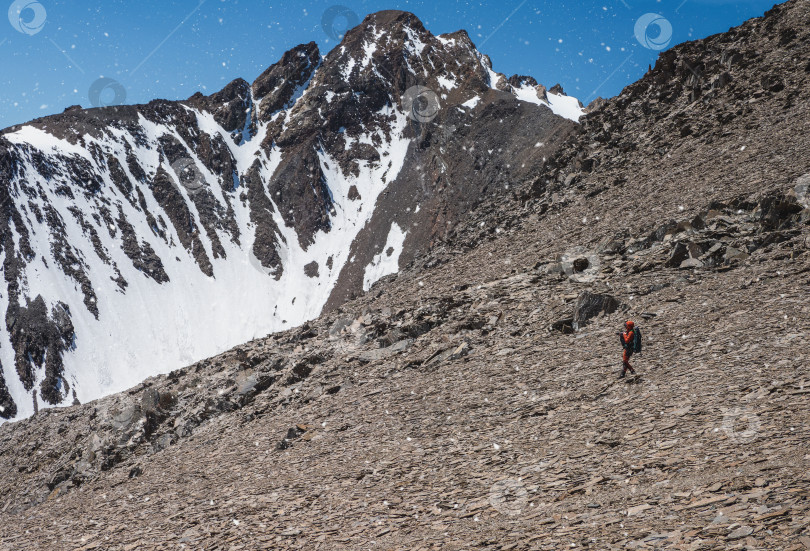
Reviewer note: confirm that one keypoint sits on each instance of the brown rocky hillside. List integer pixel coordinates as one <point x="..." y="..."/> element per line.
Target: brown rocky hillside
<point x="471" y="402"/>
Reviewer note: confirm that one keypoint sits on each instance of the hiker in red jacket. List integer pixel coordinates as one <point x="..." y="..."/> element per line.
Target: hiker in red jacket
<point x="627" y="338"/>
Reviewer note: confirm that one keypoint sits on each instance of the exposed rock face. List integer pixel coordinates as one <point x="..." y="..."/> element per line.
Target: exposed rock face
<point x="277" y="85"/>
<point x="228" y="106"/>
<point x="190" y="224"/>
<point x="589" y="305"/>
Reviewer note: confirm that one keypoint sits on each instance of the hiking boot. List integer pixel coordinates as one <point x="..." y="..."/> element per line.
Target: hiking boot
<point x="622" y="375"/>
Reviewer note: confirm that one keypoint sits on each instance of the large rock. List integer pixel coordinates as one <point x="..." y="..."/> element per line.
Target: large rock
<point x="589" y="305"/>
<point x="682" y="252"/>
<point x="777" y="212"/>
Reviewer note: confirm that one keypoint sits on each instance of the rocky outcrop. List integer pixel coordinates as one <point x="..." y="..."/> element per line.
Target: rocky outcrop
<point x="231" y="106"/>
<point x="39" y="338"/>
<point x="276" y="86"/>
<point x="589" y="305"/>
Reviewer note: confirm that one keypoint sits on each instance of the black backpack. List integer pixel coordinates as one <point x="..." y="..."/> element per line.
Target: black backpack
<point x="637" y="339"/>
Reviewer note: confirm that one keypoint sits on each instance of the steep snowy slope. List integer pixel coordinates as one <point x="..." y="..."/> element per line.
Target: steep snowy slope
<point x="139" y="239"/>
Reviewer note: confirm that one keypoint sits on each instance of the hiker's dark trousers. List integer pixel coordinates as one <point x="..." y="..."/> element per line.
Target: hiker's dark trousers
<point x="626" y="361"/>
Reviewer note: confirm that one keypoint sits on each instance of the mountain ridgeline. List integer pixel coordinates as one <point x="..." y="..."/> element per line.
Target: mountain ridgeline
<point x="139" y="239"/>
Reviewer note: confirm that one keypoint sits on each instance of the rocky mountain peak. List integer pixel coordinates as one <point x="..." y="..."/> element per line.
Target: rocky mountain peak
<point x="393" y="48"/>
<point x="400" y="24"/>
<point x="306" y="186"/>
<point x="228" y="106"/>
<point x="276" y="86"/>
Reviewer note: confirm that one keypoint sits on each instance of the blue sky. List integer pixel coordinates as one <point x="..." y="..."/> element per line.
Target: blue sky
<point x="53" y="51"/>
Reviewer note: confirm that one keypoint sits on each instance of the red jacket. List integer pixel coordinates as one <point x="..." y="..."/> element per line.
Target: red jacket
<point x="627" y="339"/>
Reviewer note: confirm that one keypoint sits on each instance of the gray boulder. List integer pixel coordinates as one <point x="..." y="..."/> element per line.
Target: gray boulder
<point x="589" y="305"/>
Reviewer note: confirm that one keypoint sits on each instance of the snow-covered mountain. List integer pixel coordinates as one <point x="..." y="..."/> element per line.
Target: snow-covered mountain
<point x="139" y="239"/>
